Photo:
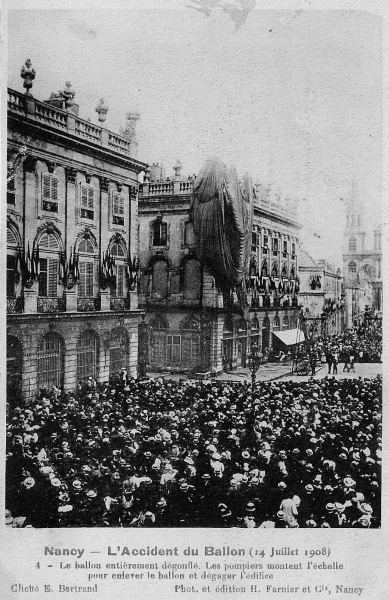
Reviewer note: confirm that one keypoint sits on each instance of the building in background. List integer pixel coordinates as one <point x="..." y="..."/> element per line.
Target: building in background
<point x="321" y="294"/>
<point x="72" y="207"/>
<point x="190" y="324"/>
<point x="362" y="263"/>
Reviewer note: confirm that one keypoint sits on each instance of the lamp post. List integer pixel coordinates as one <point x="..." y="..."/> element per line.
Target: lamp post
<point x="254" y="362"/>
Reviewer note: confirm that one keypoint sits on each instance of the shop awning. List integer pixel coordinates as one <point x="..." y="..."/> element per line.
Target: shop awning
<point x="290" y="337"/>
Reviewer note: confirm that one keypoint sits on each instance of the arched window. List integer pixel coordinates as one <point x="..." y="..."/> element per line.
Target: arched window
<point x="190" y="342"/>
<point x="50" y="355"/>
<point x="352" y="267"/>
<point x="118" y="350"/>
<point x="160" y="279"/>
<point x="118" y="253"/>
<point x="192" y="279"/>
<point x="276" y="323"/>
<point x="87" y="355"/>
<point x="48" y="266"/>
<point x="158" y="334"/>
<point x="274" y="271"/>
<point x="264" y="269"/>
<point x="88" y="269"/>
<point x="159" y="233"/>
<point x="285" y="322"/>
<point x="292" y="273"/>
<point x="352" y="244"/>
<point x="284" y="272"/>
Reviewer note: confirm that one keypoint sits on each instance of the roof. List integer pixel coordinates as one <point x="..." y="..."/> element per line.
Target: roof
<point x="290" y="337"/>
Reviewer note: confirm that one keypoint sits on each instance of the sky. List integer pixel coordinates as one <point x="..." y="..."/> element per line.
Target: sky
<point x="293" y="97"/>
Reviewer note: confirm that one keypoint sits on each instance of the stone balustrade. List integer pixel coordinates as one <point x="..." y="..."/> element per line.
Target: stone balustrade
<point x="63" y="120"/>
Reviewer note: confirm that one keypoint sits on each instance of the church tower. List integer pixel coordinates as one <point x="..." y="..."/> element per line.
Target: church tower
<point x="354" y="233"/>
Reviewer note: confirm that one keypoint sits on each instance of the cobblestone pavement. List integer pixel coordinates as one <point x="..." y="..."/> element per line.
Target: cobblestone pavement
<point x="273" y="371"/>
<point x="282" y="372"/>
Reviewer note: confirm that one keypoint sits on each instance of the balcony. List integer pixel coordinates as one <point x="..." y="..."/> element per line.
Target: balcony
<point x="88" y="304"/>
<point x="62" y="120"/>
<point x="50" y="305"/>
<point x="15" y="305"/>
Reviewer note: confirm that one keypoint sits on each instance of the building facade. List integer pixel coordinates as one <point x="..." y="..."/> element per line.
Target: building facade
<point x="72" y="309"/>
<point x="321" y="294"/>
<point x="362" y="263"/>
<point x="191" y="325"/>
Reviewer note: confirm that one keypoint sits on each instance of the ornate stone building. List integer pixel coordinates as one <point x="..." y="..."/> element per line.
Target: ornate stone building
<point x="321" y="293"/>
<point x="362" y="262"/>
<point x="72" y="216"/>
<point x="191" y="325"/>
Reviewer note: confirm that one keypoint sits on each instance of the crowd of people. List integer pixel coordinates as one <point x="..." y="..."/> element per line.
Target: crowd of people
<point x="361" y="344"/>
<point x="160" y="453"/>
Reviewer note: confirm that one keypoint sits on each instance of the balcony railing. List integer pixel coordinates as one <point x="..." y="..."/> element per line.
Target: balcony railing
<point x="15" y="305"/>
<point x="166" y="188"/>
<point x="88" y="304"/>
<point x="63" y="120"/>
<point x="50" y="305"/>
<point x="119" y="303"/>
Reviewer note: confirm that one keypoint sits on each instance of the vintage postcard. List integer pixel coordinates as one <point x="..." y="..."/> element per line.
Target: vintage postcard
<point x="193" y="225"/>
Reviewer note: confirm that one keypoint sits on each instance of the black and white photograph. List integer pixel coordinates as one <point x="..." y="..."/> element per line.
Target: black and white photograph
<point x="194" y="241"/>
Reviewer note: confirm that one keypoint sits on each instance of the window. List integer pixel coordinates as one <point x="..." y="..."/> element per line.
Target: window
<point x="285" y="322"/>
<point x="11" y="191"/>
<point x="352" y="244"/>
<point x="50" y="361"/>
<point x="255" y="241"/>
<point x="88" y="271"/>
<point x="118" y="350"/>
<point x="11" y="273"/>
<point x="48" y="277"/>
<point x="87" y="355"/>
<point x="190" y="342"/>
<point x="118" y="253"/>
<point x="285" y="248"/>
<point x="159" y="233"/>
<point x="275" y="246"/>
<point x="293" y="250"/>
<point x="189" y="236"/>
<point x="49" y="193"/>
<point x="173" y="349"/>
<point x="265" y="244"/>
<point x="87" y="203"/>
<point x="352" y="267"/>
<point x="158" y="329"/>
<point x="118" y="209"/>
<point x="86" y="281"/>
<point x="276" y="324"/>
